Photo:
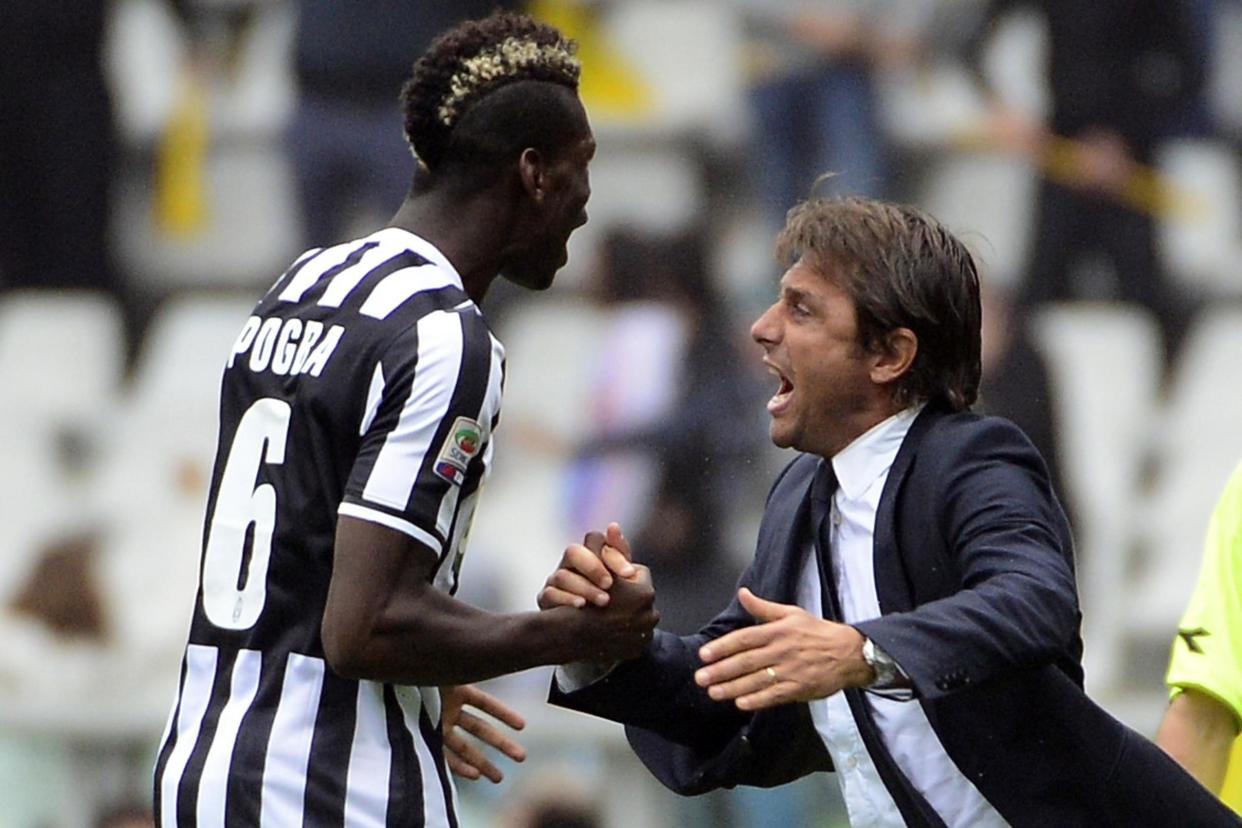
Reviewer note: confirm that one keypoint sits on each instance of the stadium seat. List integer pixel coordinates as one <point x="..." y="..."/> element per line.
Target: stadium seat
<point x="1200" y="236"/>
<point x="62" y="353"/>
<point x="61" y="364"/>
<point x="1104" y="362"/>
<point x="1197" y="443"/>
<point x="693" y="69"/>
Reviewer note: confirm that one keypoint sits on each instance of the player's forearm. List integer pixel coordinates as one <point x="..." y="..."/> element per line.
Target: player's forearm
<point x="438" y="640"/>
<point x="1197" y="731"/>
<point x="448" y="642"/>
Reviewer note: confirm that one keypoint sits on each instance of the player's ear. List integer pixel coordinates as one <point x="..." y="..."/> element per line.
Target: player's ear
<point x="532" y="172"/>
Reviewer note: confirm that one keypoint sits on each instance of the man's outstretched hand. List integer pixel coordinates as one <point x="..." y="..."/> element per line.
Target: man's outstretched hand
<point x="789" y="656"/>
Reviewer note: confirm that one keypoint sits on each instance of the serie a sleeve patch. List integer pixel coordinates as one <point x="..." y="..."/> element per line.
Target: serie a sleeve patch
<point x="461" y="445"/>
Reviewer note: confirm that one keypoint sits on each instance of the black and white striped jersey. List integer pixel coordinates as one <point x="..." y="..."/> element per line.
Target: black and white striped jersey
<point x="366" y="383"/>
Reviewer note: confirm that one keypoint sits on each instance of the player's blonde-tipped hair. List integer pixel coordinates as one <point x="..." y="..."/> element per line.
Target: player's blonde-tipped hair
<point x="509" y="59"/>
<point x="472" y="60"/>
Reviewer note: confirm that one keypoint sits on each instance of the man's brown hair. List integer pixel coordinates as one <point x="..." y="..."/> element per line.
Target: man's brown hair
<point x="902" y="269"/>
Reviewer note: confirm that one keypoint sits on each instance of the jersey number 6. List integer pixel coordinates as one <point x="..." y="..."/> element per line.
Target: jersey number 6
<point x="233" y="598"/>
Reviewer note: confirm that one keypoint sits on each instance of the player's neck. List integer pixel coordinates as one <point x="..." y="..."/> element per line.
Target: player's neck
<point x="465" y="232"/>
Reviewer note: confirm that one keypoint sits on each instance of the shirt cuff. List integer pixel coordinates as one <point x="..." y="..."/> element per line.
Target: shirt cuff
<point x="571" y="678"/>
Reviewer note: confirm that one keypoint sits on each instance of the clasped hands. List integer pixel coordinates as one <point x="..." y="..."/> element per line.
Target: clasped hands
<point x="789" y="655"/>
<point x="617" y="625"/>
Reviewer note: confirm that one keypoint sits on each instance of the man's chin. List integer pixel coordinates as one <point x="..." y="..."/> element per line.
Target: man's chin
<point x="781" y="438"/>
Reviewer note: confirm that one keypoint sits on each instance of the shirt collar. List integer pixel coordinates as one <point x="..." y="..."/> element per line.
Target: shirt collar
<point x="862" y="462"/>
<point x="422" y="247"/>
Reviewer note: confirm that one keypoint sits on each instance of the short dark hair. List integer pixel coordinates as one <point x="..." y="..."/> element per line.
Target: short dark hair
<point x="902" y="269"/>
<point x="487" y="89"/>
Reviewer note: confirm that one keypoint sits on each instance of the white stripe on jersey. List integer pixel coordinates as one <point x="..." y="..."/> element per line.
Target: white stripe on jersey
<point x="370" y="760"/>
<point x="200" y="672"/>
<point x="392" y="522"/>
<point x="213" y="786"/>
<point x="395" y="288"/>
<point x="440" y="345"/>
<point x="288" y="747"/>
<point x="435" y="810"/>
<point x="345" y="281"/>
<point x="374" y="394"/>
<point x="314" y="270"/>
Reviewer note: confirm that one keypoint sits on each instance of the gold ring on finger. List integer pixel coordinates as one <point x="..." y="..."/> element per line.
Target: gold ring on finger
<point x="772" y="675"/>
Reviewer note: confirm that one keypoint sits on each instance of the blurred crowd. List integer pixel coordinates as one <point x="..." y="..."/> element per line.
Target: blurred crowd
<point x="161" y="162"/>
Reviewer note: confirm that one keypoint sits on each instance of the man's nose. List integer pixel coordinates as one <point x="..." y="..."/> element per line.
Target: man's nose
<point x="763" y="330"/>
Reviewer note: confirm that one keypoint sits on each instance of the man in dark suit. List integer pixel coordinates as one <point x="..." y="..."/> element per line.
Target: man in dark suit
<point x="910" y="619"/>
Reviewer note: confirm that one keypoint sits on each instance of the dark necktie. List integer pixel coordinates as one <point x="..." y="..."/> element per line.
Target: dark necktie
<point x="913" y="807"/>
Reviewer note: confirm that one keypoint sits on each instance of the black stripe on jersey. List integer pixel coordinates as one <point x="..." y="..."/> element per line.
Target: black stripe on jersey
<point x="473" y="376"/>
<point x="192" y="776"/>
<point x="435" y="742"/>
<point x="362" y="291"/>
<point x="161" y="761"/>
<point x="437" y="299"/>
<point x="328" y="769"/>
<point x="405" y="782"/>
<point x="245" y="786"/>
<point x="312" y="293"/>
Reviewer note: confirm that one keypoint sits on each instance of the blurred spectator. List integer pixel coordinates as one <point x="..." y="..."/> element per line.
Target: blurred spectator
<point x="553" y="800"/>
<point x="350" y="157"/>
<point x="1116" y="71"/>
<point x="693" y="445"/>
<point x="58" y="147"/>
<point x="813" y="68"/>
<point x="126" y="815"/>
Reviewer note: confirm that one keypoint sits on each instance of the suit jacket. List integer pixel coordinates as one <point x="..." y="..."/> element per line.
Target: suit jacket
<point x="975" y="579"/>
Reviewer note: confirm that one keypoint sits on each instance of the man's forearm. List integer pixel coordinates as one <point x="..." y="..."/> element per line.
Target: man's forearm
<point x="1197" y="731"/>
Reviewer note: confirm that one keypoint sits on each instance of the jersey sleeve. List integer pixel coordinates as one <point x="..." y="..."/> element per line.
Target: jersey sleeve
<point x="1207" y="653"/>
<point x="430" y="409"/>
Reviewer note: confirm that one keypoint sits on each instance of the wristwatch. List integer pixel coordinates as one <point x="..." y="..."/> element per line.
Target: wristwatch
<point x="886" y="670"/>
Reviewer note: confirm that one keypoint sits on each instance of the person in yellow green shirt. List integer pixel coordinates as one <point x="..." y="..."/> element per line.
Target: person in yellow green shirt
<point x="1200" y="728"/>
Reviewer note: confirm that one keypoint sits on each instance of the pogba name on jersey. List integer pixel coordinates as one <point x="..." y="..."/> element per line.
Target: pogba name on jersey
<point x="285" y="346"/>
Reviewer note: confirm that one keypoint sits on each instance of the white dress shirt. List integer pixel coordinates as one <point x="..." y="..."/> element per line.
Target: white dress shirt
<point x="862" y="468"/>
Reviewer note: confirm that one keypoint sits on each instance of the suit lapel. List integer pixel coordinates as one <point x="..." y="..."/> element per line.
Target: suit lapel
<point x="892" y="584"/>
<point x="786" y="533"/>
